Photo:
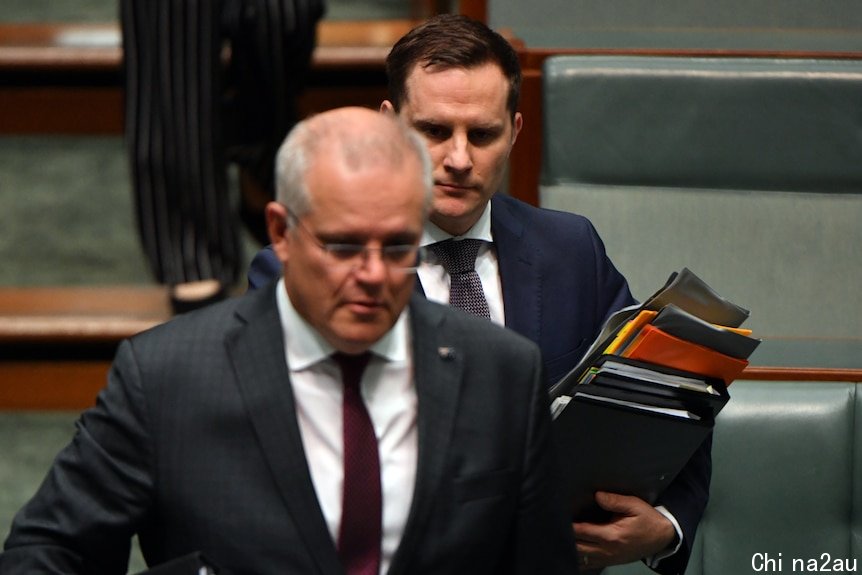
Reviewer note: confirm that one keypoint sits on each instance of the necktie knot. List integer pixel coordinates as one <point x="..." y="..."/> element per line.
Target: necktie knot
<point x="457" y="257"/>
<point x="352" y="367"/>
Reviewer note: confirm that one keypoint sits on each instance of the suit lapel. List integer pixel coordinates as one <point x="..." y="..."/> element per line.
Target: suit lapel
<point x="418" y="289"/>
<point x="520" y="279"/>
<point x="438" y="368"/>
<point x="256" y="349"/>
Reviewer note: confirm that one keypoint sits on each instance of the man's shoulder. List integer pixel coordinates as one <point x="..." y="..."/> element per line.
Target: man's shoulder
<point x="532" y="216"/>
<point x="212" y="322"/>
<point x="554" y="233"/>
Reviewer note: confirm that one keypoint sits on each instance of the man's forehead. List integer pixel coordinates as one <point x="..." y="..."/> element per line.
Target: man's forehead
<point x="428" y="101"/>
<point x="430" y="66"/>
<point x="425" y="69"/>
<point x="336" y="177"/>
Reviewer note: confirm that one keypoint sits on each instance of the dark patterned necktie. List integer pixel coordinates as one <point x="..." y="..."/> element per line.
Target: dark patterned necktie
<point x="459" y="259"/>
<point x="361" y="515"/>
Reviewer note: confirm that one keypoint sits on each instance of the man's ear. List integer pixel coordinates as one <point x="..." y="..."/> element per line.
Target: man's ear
<point x="517" y="124"/>
<point x="386" y="107"/>
<point x="276" y="226"/>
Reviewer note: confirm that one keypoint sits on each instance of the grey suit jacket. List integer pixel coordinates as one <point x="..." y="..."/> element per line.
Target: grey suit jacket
<point x="195" y="446"/>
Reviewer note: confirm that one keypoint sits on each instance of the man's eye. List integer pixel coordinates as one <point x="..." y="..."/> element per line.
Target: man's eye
<point x="435" y="132"/>
<point x="344" y="251"/>
<point x="400" y="253"/>
<point x="482" y="136"/>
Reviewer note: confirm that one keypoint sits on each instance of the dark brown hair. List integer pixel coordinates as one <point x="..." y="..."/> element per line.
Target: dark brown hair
<point x="451" y="41"/>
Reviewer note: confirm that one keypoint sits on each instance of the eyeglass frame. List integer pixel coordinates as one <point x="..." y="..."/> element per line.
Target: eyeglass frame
<point x="354" y="256"/>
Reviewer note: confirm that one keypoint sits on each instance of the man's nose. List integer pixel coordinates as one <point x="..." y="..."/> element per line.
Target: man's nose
<point x="458" y="157"/>
<point x="372" y="268"/>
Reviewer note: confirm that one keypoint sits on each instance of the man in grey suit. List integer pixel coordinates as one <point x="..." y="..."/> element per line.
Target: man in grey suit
<point x="230" y="431"/>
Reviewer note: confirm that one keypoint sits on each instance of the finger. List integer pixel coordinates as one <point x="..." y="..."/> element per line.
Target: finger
<point x="593" y="559"/>
<point x="591" y="532"/>
<point x="596" y="555"/>
<point x="619" y="504"/>
<point x="588" y="549"/>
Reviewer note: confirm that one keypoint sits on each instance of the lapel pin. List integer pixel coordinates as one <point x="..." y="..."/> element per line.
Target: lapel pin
<point x="446" y="352"/>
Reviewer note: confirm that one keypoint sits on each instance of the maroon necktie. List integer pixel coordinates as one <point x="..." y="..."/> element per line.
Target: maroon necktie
<point x="360" y="533"/>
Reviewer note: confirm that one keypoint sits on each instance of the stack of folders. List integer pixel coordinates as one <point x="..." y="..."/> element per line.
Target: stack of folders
<point x="644" y="397"/>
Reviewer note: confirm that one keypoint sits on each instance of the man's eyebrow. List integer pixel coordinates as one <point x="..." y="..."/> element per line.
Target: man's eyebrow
<point x="429" y="122"/>
<point x="338" y="237"/>
<point x="357" y="238"/>
<point x="495" y="127"/>
<point x="399" y="238"/>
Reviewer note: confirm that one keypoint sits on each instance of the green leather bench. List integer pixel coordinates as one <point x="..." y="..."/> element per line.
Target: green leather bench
<point x="787" y="459"/>
<point x="822" y="25"/>
<point x="747" y="171"/>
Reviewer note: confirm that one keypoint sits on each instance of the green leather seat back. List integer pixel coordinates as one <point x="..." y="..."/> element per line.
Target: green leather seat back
<point x="747" y="171"/>
<point x="785" y="483"/>
<point x="856" y="510"/>
<point x="679" y="24"/>
<point x="706" y="123"/>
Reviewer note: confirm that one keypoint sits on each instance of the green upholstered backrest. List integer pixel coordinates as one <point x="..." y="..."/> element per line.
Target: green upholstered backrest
<point x="785" y="483"/>
<point x="704" y="122"/>
<point x="783" y="475"/>
<point x="747" y="171"/>
<point x="856" y="509"/>
<point x="678" y="24"/>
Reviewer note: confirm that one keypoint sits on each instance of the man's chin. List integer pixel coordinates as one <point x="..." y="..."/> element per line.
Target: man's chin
<point x="359" y="333"/>
<point x="454" y="217"/>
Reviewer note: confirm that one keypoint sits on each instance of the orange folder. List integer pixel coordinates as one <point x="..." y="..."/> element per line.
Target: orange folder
<point x="655" y="346"/>
<point x="629" y="330"/>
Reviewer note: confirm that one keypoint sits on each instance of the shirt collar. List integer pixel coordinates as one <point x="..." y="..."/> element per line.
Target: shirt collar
<point x="305" y="346"/>
<point x="481" y="230"/>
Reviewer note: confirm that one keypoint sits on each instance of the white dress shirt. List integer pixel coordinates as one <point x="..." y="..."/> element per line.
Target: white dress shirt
<point x="389" y="393"/>
<point x="435" y="279"/>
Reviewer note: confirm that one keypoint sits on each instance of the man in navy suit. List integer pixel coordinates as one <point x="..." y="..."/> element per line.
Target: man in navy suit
<point x="234" y="431"/>
<point x="545" y="274"/>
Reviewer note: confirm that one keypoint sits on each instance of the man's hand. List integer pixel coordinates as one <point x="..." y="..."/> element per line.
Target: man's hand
<point x="636" y="530"/>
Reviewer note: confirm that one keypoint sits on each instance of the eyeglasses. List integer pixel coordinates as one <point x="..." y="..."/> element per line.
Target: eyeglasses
<point x="403" y="258"/>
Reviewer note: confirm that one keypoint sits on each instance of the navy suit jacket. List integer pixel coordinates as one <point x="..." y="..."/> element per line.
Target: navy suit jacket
<point x="559" y="287"/>
<point x="194" y="444"/>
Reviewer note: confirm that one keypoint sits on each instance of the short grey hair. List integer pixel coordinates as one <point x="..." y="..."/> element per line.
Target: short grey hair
<point x="356" y="149"/>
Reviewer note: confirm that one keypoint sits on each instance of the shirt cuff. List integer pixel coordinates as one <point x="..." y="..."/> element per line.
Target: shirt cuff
<point x="653" y="560"/>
